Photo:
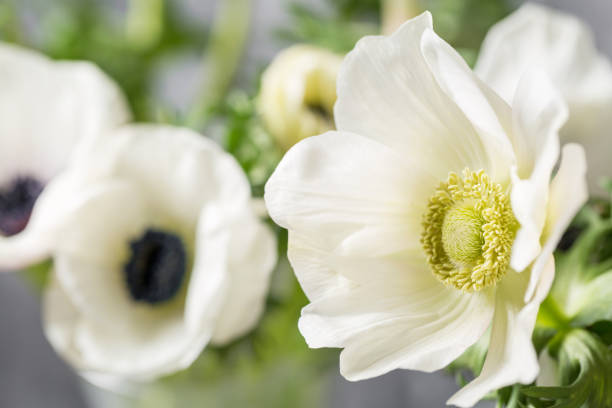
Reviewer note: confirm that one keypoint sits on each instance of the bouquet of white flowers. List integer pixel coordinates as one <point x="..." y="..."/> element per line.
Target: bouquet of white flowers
<point x="432" y="197"/>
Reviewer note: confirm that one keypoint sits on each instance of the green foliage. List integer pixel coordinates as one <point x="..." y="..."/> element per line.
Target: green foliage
<point x="88" y="30"/>
<point x="582" y="292"/>
<point x="247" y="140"/>
<point x="224" y="51"/>
<point x="335" y="30"/>
<point x="469" y="364"/>
<point x="37" y="275"/>
<point x="464" y="23"/>
<point x="575" y="321"/>
<point x="351" y="9"/>
<point x="584" y="374"/>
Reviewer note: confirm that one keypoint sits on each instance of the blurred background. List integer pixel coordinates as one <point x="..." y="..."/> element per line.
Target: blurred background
<point x="161" y="66"/>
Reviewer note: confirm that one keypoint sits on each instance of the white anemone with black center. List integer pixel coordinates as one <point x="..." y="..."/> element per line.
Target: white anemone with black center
<point x="164" y="255"/>
<point x="430" y="215"/>
<point x="48" y="111"/>
<point x="562" y="46"/>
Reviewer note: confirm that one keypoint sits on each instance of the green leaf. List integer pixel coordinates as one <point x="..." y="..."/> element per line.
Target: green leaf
<point x="336" y="32"/>
<point x="247" y="140"/>
<point x="582" y="291"/>
<point x="37" y="275"/>
<point x="584" y="375"/>
<point x="471" y="360"/>
<point x="464" y="23"/>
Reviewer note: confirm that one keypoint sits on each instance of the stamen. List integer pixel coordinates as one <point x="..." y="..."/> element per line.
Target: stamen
<point x="156" y="269"/>
<point x="468" y="231"/>
<point x="17" y="200"/>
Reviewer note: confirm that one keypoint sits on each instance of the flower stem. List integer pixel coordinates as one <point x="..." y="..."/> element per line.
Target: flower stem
<point x="514" y="397"/>
<point x="396" y="12"/>
<point x="144" y="23"/>
<point x="551" y="315"/>
<point x="221" y="58"/>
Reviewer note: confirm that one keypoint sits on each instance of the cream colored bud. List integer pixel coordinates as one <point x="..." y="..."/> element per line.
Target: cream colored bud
<point x="298" y="92"/>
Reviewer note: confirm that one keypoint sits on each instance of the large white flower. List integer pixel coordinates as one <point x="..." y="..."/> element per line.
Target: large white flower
<point x="563" y="47"/>
<point x="429" y="215"/>
<point x="47" y="111"/>
<point x="162" y="255"/>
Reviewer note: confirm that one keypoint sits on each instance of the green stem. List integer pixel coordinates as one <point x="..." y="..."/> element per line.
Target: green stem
<point x="396" y="12"/>
<point x="551" y="315"/>
<point x="10" y="29"/>
<point x="223" y="53"/>
<point x="144" y="23"/>
<point x="37" y="276"/>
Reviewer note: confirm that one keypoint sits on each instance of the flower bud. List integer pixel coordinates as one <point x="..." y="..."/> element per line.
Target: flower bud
<point x="298" y="92"/>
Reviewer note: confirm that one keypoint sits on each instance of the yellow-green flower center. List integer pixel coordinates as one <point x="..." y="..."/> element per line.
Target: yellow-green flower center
<point x="468" y="231"/>
<point x="462" y="236"/>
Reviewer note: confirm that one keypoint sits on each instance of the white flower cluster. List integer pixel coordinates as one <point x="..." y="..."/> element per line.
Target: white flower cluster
<point x="156" y="248"/>
<point x="423" y="224"/>
<point x="428" y="219"/>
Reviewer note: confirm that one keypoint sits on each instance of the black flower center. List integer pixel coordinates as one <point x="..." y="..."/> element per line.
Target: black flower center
<point x="17" y="199"/>
<point x="319" y="109"/>
<point x="156" y="268"/>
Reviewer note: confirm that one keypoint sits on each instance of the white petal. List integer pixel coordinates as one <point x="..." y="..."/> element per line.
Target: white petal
<point x="475" y="101"/>
<point x="351" y="193"/>
<point x="48" y="108"/>
<point x="60" y="319"/>
<point x="112" y="334"/>
<point x="511" y="357"/>
<point x="137" y="354"/>
<point x="568" y="192"/>
<point x="325" y="274"/>
<point x="253" y="256"/>
<point x="194" y="190"/>
<point x="426" y="337"/>
<point x="539" y="112"/>
<point x="386" y="91"/>
<point x="387" y="312"/>
<point x="562" y="46"/>
<point x="193" y="168"/>
<point x="147" y="351"/>
<point x="548" y="370"/>
<point x="541" y="37"/>
<point x="91" y="254"/>
<point x="50" y="215"/>
<point x="312" y="270"/>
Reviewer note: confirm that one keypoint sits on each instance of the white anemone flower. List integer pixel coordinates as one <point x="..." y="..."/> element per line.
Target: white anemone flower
<point x="163" y="255"/>
<point x="429" y="215"/>
<point x="562" y="46"/>
<point x="48" y="110"/>
<point x="298" y="92"/>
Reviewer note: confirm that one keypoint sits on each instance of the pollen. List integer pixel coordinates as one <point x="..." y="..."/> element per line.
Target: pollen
<point x="468" y="230"/>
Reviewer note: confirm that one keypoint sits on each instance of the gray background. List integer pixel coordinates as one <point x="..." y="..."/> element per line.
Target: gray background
<point x="32" y="376"/>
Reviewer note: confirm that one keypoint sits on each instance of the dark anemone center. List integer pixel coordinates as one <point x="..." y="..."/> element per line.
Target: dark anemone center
<point x="156" y="267"/>
<point x="319" y="109"/>
<point x="17" y="199"/>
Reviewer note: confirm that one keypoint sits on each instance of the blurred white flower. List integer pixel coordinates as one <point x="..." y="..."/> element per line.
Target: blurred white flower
<point x="429" y="215"/>
<point x="562" y="46"/>
<point x="298" y="92"/>
<point x="163" y="255"/>
<point x="47" y="110"/>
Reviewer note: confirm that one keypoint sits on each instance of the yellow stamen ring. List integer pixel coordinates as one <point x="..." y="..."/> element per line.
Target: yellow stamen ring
<point x="468" y="231"/>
